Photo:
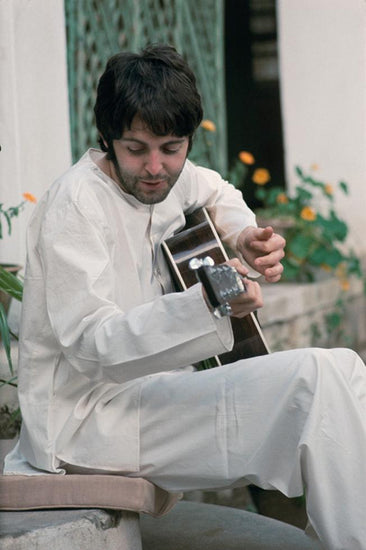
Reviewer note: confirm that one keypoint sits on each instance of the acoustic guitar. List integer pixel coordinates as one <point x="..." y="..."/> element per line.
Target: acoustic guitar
<point x="197" y="241"/>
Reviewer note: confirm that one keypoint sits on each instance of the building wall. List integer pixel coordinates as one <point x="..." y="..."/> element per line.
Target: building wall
<point x="323" y="83"/>
<point x="322" y="47"/>
<point x="34" y="120"/>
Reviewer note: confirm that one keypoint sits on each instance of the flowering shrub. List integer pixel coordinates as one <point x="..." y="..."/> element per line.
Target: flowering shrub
<point x="13" y="211"/>
<point x="315" y="234"/>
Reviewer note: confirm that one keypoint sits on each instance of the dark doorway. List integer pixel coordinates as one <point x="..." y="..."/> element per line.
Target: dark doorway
<point x="254" y="120"/>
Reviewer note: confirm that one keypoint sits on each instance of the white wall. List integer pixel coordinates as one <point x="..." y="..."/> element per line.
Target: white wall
<point x="323" y="85"/>
<point x="34" y="118"/>
<point x="322" y="47"/>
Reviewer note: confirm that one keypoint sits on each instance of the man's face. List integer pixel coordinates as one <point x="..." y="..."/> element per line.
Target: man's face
<point x="145" y="165"/>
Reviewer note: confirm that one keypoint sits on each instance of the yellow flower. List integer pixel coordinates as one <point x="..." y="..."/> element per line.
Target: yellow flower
<point x="308" y="214"/>
<point x="282" y="198"/>
<point x="329" y="189"/>
<point x="261" y="176"/>
<point x="246" y="157"/>
<point x="326" y="267"/>
<point x="345" y="284"/>
<point x="208" y="125"/>
<point x="29" y="197"/>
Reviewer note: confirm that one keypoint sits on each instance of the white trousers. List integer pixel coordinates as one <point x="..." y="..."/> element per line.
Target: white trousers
<point x="292" y="421"/>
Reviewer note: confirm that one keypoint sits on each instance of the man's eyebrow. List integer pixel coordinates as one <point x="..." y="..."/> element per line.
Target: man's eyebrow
<point x="172" y="141"/>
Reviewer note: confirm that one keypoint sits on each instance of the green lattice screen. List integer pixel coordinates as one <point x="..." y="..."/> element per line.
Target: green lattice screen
<point x="96" y="29"/>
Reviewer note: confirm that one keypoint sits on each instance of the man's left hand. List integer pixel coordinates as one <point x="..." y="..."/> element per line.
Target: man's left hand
<point x="263" y="250"/>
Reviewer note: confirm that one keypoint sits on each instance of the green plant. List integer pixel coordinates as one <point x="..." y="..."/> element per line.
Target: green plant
<point x="314" y="232"/>
<point x="13" y="212"/>
<point x="9" y="283"/>
<point x="13" y="286"/>
<point x="9" y="420"/>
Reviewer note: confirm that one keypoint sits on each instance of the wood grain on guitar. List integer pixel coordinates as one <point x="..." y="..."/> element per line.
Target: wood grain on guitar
<point x="199" y="239"/>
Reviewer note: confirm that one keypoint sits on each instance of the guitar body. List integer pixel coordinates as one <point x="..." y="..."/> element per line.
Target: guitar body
<point x="199" y="239"/>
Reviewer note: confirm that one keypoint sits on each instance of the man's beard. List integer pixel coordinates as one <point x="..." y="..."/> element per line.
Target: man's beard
<point x="133" y="185"/>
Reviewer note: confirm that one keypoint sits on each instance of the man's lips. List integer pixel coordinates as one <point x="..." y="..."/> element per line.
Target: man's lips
<point x="153" y="183"/>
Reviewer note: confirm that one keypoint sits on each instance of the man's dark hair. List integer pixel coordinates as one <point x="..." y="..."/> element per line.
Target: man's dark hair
<point x="157" y="85"/>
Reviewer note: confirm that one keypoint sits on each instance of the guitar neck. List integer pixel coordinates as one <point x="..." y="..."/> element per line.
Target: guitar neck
<point x="199" y="239"/>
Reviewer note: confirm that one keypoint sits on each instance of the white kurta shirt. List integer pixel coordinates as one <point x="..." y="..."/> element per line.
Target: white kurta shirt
<point x="99" y="314"/>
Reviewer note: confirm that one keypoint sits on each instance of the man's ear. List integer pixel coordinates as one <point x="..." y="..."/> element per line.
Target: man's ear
<point x="101" y="139"/>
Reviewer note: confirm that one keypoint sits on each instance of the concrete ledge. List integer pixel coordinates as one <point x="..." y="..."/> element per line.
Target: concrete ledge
<point x="189" y="526"/>
<point x="197" y="526"/>
<point x="70" y="530"/>
<point x="292" y="311"/>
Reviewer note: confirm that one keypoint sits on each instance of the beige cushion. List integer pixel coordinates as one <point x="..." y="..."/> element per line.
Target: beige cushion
<point x="84" y="491"/>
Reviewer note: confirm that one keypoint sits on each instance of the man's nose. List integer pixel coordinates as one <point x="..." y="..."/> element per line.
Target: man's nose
<point x="154" y="163"/>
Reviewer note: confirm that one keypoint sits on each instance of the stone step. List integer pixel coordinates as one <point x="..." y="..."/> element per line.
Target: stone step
<point x="189" y="526"/>
<point x="69" y="530"/>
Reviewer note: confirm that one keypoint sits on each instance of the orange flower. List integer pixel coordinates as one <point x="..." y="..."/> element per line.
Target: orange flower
<point x="261" y="176"/>
<point x="308" y="214"/>
<point x="326" y="267"/>
<point x="282" y="198"/>
<point x="345" y="284"/>
<point x="29" y="197"/>
<point x="329" y="189"/>
<point x="314" y="167"/>
<point x="208" y="125"/>
<point x="246" y="157"/>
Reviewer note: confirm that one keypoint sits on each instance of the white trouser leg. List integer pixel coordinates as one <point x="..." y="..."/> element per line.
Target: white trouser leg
<point x="284" y="421"/>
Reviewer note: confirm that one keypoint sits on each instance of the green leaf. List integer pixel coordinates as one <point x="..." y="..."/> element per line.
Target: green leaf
<point x="354" y="265"/>
<point x="330" y="257"/>
<point x="344" y="187"/>
<point x="300" y="245"/>
<point x="298" y="171"/>
<point x="333" y="229"/>
<point x="303" y="195"/>
<point x="237" y="174"/>
<point x="10" y="284"/>
<point x="261" y="194"/>
<point x="5" y="336"/>
<point x="333" y="320"/>
<point x="10" y="382"/>
<point x="290" y="270"/>
<point x="8" y="220"/>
